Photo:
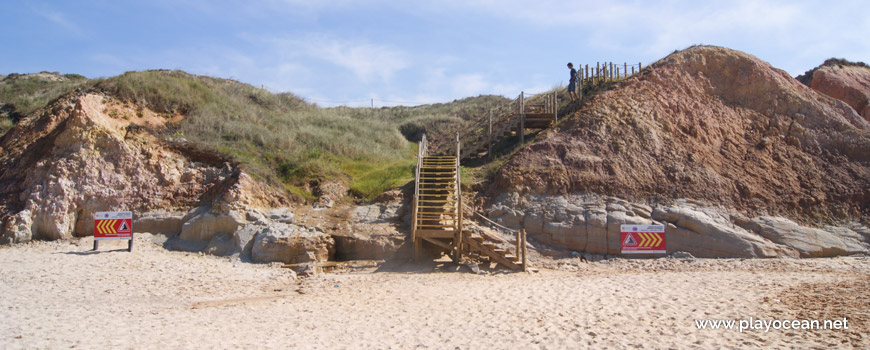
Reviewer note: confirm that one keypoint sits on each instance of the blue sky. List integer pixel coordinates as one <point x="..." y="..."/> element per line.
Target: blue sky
<point x="411" y="52"/>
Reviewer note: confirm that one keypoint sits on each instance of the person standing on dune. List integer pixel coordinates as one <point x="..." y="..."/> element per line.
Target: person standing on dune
<point x="572" y="83"/>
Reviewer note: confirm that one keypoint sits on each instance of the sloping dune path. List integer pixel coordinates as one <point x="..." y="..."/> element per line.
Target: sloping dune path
<point x="59" y="295"/>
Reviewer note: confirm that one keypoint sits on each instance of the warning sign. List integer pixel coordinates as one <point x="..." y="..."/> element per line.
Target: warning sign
<point x="113" y="225"/>
<point x="643" y="239"/>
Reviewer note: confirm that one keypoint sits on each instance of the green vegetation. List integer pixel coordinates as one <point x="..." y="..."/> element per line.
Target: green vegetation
<point x="278" y="138"/>
<point x="23" y="94"/>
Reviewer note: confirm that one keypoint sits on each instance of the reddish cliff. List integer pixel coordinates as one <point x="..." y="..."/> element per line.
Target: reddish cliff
<point x="712" y="124"/>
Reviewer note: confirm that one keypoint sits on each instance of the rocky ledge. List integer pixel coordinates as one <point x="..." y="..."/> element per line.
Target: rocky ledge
<point x="591" y="224"/>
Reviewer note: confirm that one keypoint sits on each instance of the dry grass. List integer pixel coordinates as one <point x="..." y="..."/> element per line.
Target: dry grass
<point x="278" y="138"/>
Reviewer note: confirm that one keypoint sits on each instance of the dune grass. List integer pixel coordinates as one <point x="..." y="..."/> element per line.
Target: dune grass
<point x="24" y="94"/>
<point x="278" y="138"/>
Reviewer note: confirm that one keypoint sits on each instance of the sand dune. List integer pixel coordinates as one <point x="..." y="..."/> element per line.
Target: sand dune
<point x="59" y="295"/>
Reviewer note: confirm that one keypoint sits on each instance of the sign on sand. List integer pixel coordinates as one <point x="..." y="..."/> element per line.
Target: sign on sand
<point x="113" y="225"/>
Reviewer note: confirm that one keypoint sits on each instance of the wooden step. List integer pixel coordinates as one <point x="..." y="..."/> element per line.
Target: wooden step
<point x="432" y="213"/>
<point x="436" y="226"/>
<point x="432" y="207"/>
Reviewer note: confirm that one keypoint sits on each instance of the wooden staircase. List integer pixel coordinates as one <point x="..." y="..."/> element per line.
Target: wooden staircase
<point x="540" y="114"/>
<point x="498" y="254"/>
<point x="437" y="219"/>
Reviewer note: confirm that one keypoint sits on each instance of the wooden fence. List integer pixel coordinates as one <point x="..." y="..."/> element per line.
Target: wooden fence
<point x="605" y="72"/>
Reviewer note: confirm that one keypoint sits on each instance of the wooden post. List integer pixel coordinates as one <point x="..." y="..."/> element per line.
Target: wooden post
<point x="611" y="72"/>
<point x="597" y="72"/>
<point x="639" y="67"/>
<point x="525" y="261"/>
<point x="489" y="150"/>
<point x="457" y="244"/>
<point x="587" y="73"/>
<point x="422" y="149"/>
<point x="625" y="69"/>
<point x="522" y="117"/>
<point x="457" y="237"/>
<point x="632" y="70"/>
<point x="555" y="107"/>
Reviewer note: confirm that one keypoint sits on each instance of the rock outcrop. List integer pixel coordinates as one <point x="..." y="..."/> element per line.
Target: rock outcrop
<point x="843" y="80"/>
<point x="292" y="245"/>
<point x="86" y="153"/>
<point x="591" y="224"/>
<point x="372" y="233"/>
<point x="709" y="124"/>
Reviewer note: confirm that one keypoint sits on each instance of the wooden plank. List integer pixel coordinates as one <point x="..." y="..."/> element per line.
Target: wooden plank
<point x="496" y="257"/>
<point x="434" y="234"/>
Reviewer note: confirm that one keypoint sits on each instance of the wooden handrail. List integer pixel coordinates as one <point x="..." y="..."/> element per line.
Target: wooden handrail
<point x="458" y="189"/>
<point x="519" y="237"/>
<point x="422" y="151"/>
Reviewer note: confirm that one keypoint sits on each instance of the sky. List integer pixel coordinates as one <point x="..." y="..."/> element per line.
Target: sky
<point x="358" y="53"/>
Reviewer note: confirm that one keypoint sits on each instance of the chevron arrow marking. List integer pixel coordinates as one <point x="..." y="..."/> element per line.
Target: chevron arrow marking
<point x="647" y="239"/>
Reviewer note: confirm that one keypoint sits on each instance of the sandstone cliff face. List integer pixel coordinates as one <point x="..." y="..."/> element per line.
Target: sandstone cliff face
<point x="710" y="124"/>
<point x="848" y="82"/>
<point x="86" y="153"/>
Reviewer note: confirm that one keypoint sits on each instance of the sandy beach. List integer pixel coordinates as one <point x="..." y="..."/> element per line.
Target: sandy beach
<point x="60" y="295"/>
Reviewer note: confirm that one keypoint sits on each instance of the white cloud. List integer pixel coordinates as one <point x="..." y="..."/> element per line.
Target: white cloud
<point x="469" y="84"/>
<point x="365" y="60"/>
<point x="59" y="19"/>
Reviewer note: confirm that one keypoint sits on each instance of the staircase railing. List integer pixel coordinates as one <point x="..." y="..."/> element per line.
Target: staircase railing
<point x="457" y="240"/>
<point x="512" y="116"/>
<point x="422" y="151"/>
<point x="519" y="238"/>
<point x="500" y="116"/>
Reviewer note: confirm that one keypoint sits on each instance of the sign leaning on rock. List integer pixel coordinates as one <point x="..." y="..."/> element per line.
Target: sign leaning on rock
<point x="643" y="239"/>
<point x="113" y="225"/>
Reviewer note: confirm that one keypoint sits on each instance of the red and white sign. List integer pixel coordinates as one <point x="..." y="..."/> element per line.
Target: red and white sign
<point x="110" y="225"/>
<point x="643" y="239"/>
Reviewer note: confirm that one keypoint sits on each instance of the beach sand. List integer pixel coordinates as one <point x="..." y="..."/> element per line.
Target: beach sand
<point x="58" y="295"/>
